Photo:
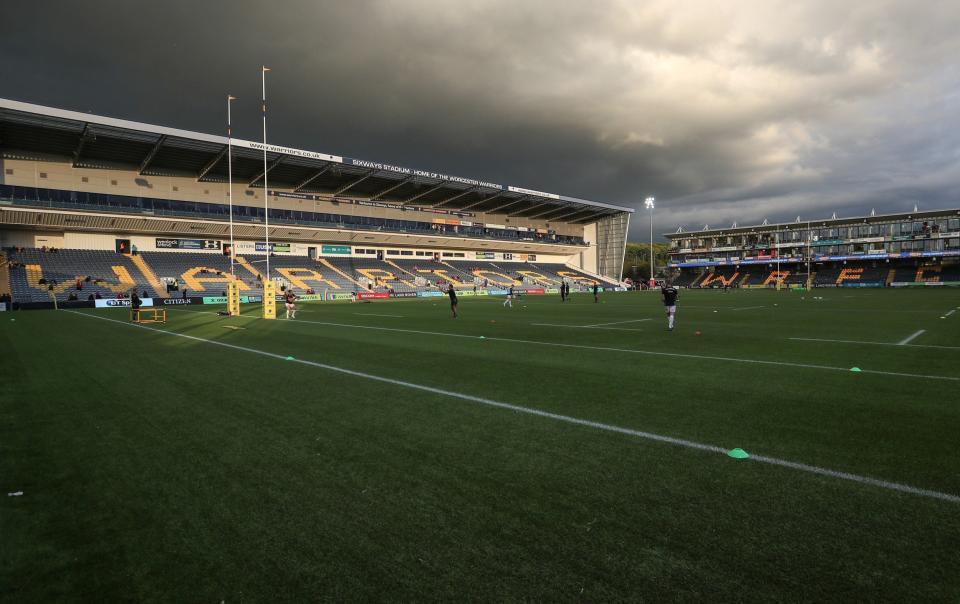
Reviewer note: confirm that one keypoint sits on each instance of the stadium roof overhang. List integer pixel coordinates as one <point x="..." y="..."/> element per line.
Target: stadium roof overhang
<point x="35" y="132"/>
<point x="93" y="222"/>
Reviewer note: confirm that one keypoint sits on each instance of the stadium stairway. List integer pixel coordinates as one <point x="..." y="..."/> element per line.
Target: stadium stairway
<point x="148" y="274"/>
<point x="4" y="277"/>
<point x="891" y="274"/>
<point x="353" y="282"/>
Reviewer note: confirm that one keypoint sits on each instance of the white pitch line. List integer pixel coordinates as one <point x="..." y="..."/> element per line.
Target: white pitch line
<point x="911" y="337"/>
<point x="585" y="327"/>
<point x="876" y="343"/>
<point x="616" y="323"/>
<point x="624" y="350"/>
<point x="950" y="312"/>
<point x="371" y="314"/>
<point x="866" y="480"/>
<point x="748" y="308"/>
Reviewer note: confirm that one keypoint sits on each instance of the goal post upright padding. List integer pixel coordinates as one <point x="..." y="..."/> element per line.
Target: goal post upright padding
<point x="269" y="300"/>
<point x="233" y="298"/>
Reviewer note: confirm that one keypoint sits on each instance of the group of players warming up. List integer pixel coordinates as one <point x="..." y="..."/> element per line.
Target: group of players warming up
<point x="668" y="293"/>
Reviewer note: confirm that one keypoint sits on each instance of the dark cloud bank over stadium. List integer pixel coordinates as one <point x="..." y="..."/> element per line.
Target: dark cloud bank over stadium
<point x="765" y="109"/>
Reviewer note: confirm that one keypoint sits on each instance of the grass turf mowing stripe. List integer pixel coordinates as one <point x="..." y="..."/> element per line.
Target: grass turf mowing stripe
<point x="865" y="480"/>
<point x="679" y="355"/>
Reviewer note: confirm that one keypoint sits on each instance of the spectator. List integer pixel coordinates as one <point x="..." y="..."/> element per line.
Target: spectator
<point x="98" y="296"/>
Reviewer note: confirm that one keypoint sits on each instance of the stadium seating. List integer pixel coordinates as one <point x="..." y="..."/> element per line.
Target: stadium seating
<point x="722" y="276"/>
<point x="40" y="273"/>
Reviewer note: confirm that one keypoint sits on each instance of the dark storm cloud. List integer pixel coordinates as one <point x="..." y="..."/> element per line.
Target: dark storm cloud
<point x="736" y="111"/>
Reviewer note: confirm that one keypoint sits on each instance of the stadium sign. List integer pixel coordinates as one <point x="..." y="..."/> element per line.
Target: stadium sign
<point x="287" y="151"/>
<point x="429" y="294"/>
<point x="372" y="295"/>
<point x="261" y="246"/>
<point x="115" y="303"/>
<point x="187" y="244"/>
<point x="403" y="295"/>
<point x="485" y="256"/>
<point x="178" y="301"/>
<point x="335" y="249"/>
<point x="362" y="163"/>
<point x="533" y="192"/>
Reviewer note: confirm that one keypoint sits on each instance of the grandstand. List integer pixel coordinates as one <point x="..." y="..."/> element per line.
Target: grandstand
<point x="866" y="251"/>
<point x="97" y="189"/>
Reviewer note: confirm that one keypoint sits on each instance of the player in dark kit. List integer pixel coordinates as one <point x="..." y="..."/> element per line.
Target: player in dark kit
<point x="453" y="300"/>
<point x="596" y="292"/>
<point x="290" y="300"/>
<point x="670" y="295"/>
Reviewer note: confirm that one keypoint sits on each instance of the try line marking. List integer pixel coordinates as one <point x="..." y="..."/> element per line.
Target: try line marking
<point x="866" y="480"/>
<point x="586" y="326"/>
<point x="876" y="343"/>
<point x="614" y="323"/>
<point x="679" y="355"/>
<point x="911" y="337"/>
<point x="748" y="308"/>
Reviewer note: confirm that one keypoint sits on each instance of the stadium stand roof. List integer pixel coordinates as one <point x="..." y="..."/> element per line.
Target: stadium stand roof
<point x="36" y="132"/>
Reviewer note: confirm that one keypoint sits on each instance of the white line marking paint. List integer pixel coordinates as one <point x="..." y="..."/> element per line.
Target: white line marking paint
<point x="748" y="308"/>
<point x="950" y="312"/>
<point x="865" y="480"/>
<point x="372" y="314"/>
<point x="616" y="323"/>
<point x="585" y="327"/>
<point x="609" y="348"/>
<point x="876" y="343"/>
<point x="911" y="337"/>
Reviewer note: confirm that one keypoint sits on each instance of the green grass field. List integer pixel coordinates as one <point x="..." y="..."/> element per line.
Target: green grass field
<point x="162" y="468"/>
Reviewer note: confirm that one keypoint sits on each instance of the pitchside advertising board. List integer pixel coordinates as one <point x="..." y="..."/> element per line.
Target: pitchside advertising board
<point x="187" y="244"/>
<point x="145" y="302"/>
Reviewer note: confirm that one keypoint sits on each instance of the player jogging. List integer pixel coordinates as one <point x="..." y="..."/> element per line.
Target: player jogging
<point x="563" y="291"/>
<point x="290" y="300"/>
<point x="670" y="294"/>
<point x="509" y="300"/>
<point x="596" y="292"/>
<point x="453" y="300"/>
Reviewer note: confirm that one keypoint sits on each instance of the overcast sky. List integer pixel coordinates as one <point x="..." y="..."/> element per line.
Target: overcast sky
<point x="739" y="110"/>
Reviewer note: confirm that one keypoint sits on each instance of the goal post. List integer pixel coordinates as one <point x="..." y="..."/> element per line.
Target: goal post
<point x="269" y="300"/>
<point x="233" y="298"/>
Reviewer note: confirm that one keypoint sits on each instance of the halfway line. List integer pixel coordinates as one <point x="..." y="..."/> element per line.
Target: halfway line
<point x="884" y="484"/>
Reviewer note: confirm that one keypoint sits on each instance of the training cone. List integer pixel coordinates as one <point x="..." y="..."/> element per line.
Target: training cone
<point x="855" y="369"/>
<point x="696" y="333"/>
<point x="289" y="358"/>
<point x="738" y="453"/>
<point x="483" y="338"/>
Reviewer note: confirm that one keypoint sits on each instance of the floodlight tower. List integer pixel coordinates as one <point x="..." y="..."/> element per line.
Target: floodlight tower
<point x="648" y="204"/>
